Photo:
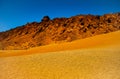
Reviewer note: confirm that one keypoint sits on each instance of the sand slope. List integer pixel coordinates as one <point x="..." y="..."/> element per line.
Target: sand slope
<point x="92" y="58"/>
<point x="110" y="39"/>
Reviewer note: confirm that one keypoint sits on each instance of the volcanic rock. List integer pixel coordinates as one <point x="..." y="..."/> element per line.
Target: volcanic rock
<point x="58" y="30"/>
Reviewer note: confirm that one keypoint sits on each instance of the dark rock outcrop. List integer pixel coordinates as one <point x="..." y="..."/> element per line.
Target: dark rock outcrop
<point x="45" y="19"/>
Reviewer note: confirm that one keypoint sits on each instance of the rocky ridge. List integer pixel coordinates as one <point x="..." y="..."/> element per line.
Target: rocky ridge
<point x="58" y="30"/>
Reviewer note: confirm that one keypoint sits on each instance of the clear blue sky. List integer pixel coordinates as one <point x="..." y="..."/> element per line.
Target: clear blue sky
<point x="18" y="12"/>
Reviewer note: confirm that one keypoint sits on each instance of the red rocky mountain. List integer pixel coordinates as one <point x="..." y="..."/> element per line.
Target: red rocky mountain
<point x="58" y="30"/>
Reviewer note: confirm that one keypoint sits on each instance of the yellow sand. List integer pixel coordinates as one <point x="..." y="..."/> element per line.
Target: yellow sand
<point x="103" y="40"/>
<point x="96" y="57"/>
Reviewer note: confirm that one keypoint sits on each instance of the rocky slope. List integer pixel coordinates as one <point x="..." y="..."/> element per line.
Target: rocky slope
<point x="58" y="30"/>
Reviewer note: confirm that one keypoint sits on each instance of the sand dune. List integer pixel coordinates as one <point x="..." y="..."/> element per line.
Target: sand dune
<point x="110" y="39"/>
<point x="96" y="57"/>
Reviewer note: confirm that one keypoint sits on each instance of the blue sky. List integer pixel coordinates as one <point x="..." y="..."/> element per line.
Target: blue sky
<point x="15" y="13"/>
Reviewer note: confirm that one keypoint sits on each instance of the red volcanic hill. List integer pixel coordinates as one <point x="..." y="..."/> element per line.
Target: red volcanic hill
<point x="58" y="30"/>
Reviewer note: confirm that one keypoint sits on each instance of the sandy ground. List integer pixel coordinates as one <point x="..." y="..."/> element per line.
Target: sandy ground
<point x="92" y="58"/>
<point x="98" y="41"/>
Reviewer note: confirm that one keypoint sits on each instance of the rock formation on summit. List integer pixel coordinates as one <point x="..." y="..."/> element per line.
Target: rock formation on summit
<point x="58" y="30"/>
<point x="45" y="19"/>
